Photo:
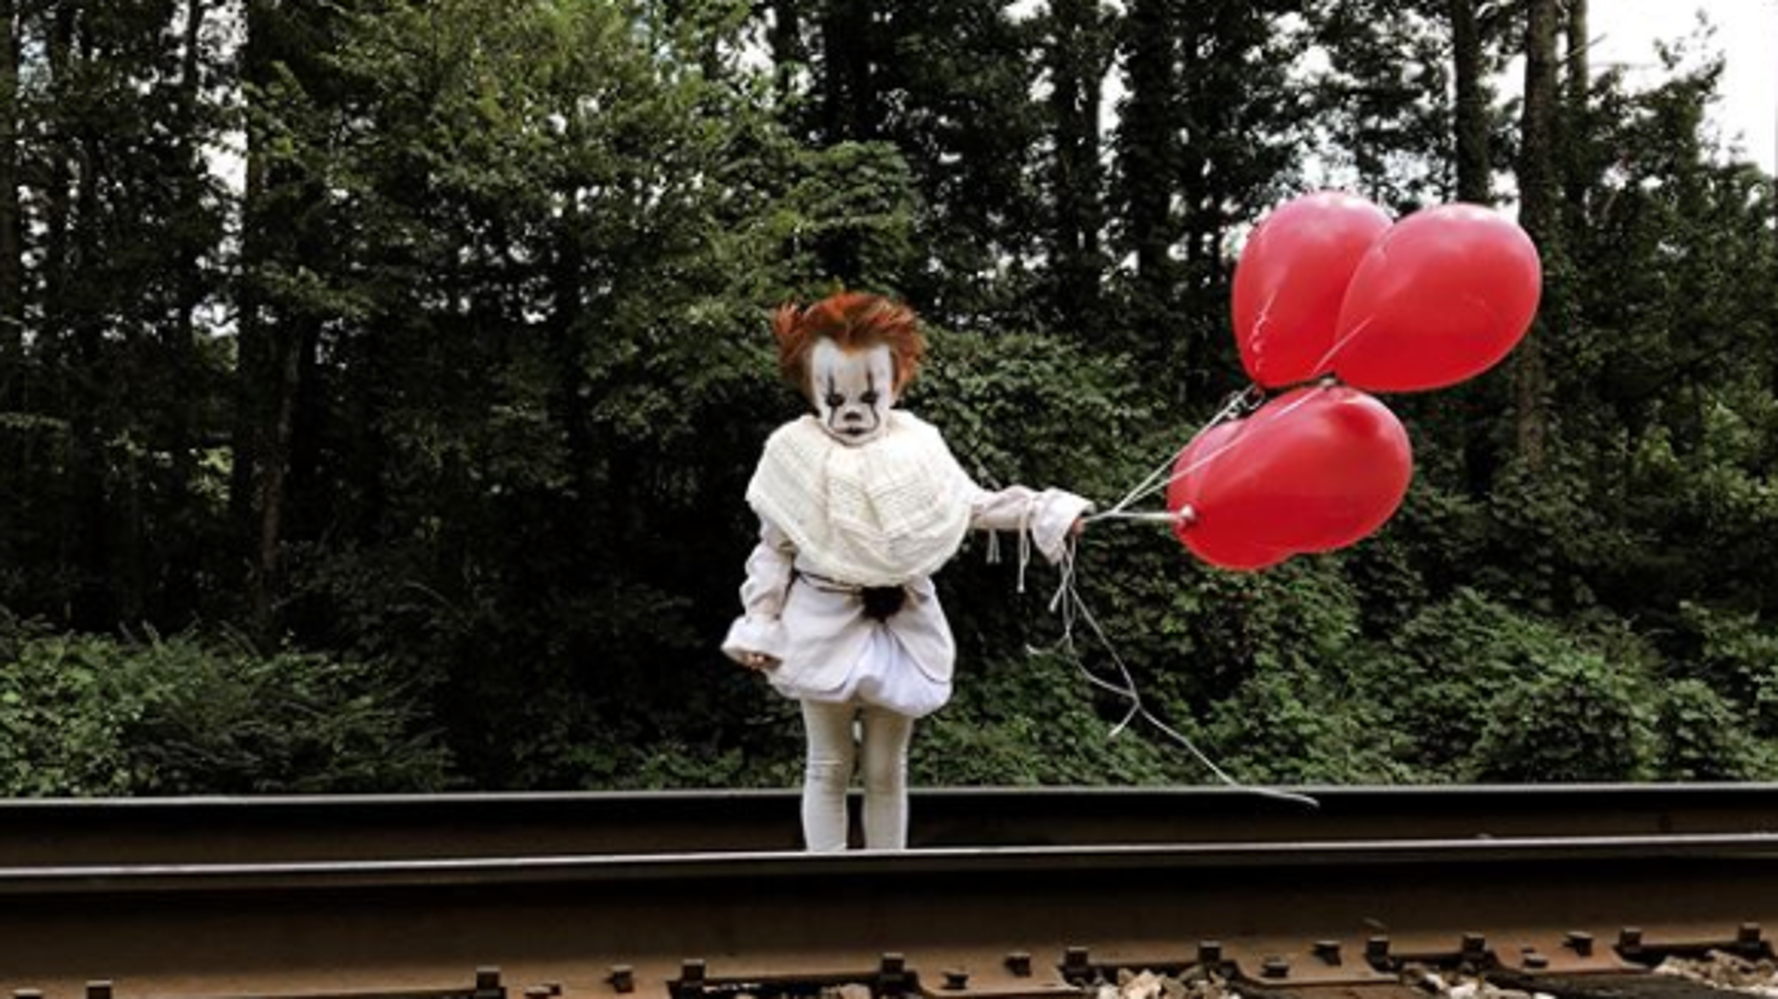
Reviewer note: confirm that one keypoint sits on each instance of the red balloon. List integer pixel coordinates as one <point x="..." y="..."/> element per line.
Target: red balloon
<point x="1290" y="281"/>
<point x="1227" y="554"/>
<point x="1315" y="469"/>
<point x="1210" y="542"/>
<point x="1441" y="297"/>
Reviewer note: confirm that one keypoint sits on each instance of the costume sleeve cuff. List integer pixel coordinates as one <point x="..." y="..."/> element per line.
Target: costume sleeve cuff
<point x="1054" y="512"/>
<point x="754" y="634"/>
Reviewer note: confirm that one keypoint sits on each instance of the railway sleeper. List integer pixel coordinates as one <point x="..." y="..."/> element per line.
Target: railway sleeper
<point x="893" y="978"/>
<point x="487" y="985"/>
<point x="1656" y="964"/>
<point x="1565" y="966"/>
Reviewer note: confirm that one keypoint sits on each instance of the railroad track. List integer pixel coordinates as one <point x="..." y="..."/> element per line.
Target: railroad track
<point x="1495" y="889"/>
<point x="272" y="829"/>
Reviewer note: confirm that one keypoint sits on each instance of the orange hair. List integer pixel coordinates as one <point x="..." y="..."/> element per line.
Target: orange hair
<point x="853" y="321"/>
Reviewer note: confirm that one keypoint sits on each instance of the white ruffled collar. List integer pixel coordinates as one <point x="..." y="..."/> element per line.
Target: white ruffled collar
<point x="874" y="514"/>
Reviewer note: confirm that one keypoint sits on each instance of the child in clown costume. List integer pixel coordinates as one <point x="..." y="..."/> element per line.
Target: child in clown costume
<point x="859" y="504"/>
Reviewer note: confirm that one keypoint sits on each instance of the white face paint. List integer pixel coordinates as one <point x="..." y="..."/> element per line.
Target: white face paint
<point x="853" y="390"/>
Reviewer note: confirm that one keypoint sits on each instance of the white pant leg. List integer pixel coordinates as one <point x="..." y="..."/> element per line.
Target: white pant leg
<point x="827" y="770"/>
<point x="886" y="738"/>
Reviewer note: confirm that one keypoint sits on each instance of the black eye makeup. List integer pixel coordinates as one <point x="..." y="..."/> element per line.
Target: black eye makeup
<point x="850" y="393"/>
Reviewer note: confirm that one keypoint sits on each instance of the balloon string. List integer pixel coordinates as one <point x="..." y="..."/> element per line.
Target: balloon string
<point x="1073" y="608"/>
<point x="1184" y="513"/>
<point x="1339" y="344"/>
<point x="1158" y="480"/>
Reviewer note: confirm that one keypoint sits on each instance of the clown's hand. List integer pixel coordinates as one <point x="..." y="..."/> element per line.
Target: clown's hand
<point x="752" y="641"/>
<point x="758" y="661"/>
<point x="1056" y="516"/>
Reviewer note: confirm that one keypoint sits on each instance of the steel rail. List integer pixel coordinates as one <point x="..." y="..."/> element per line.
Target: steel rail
<point x="985" y="922"/>
<point x="246" y="830"/>
<point x="489" y="871"/>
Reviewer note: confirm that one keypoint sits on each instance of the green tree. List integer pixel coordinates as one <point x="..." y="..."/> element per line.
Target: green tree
<point x="557" y="239"/>
<point x="1206" y="141"/>
<point x="107" y="221"/>
<point x="949" y="86"/>
<point x="1381" y="112"/>
<point x="1539" y="188"/>
<point x="1077" y="44"/>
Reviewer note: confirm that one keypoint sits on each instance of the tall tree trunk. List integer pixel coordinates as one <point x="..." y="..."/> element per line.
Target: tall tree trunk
<point x="1148" y="152"/>
<point x="1578" y="86"/>
<point x="1078" y="58"/>
<point x="851" y="109"/>
<point x="850" y="112"/>
<point x="179" y="595"/>
<point x="1537" y="192"/>
<point x="272" y="345"/>
<point x="58" y="397"/>
<point x="251" y="351"/>
<point x="1201" y="113"/>
<point x="1473" y="162"/>
<point x="12" y="264"/>
<point x="274" y="473"/>
<point x="60" y="178"/>
<point x="249" y="345"/>
<point x="1476" y="407"/>
<point x="568" y="280"/>
<point x="106" y="584"/>
<point x="788" y="51"/>
<point x="72" y="336"/>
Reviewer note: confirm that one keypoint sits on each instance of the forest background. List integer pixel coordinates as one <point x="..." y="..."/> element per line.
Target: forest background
<point x="415" y="459"/>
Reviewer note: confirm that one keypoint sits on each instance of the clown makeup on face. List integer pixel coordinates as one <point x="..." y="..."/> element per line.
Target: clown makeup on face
<point x="852" y="390"/>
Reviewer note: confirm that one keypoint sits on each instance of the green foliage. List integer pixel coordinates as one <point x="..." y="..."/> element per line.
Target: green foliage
<point x="61" y="720"/>
<point x="1033" y="408"/>
<point x="1736" y="656"/>
<point x="85" y="716"/>
<point x="1295" y="725"/>
<point x="1445" y="670"/>
<point x="851" y="198"/>
<point x="113" y="223"/>
<point x="1703" y="738"/>
<point x="1384" y="106"/>
<point x="1030" y="719"/>
<point x="1580" y="718"/>
<point x="467" y="394"/>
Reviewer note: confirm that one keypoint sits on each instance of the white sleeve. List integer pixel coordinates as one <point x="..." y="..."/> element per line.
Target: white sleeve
<point x="758" y="629"/>
<point x="1048" y="515"/>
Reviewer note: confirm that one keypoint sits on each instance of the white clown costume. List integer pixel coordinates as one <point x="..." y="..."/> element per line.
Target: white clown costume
<point x="859" y="504"/>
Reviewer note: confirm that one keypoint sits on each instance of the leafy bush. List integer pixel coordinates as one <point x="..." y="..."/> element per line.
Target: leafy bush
<point x="61" y="717"/>
<point x="87" y="715"/>
<point x="1438" y="680"/>
<point x="1032" y="719"/>
<point x="1291" y="726"/>
<point x="1737" y="658"/>
<point x="1703" y="738"/>
<point x="1578" y="719"/>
